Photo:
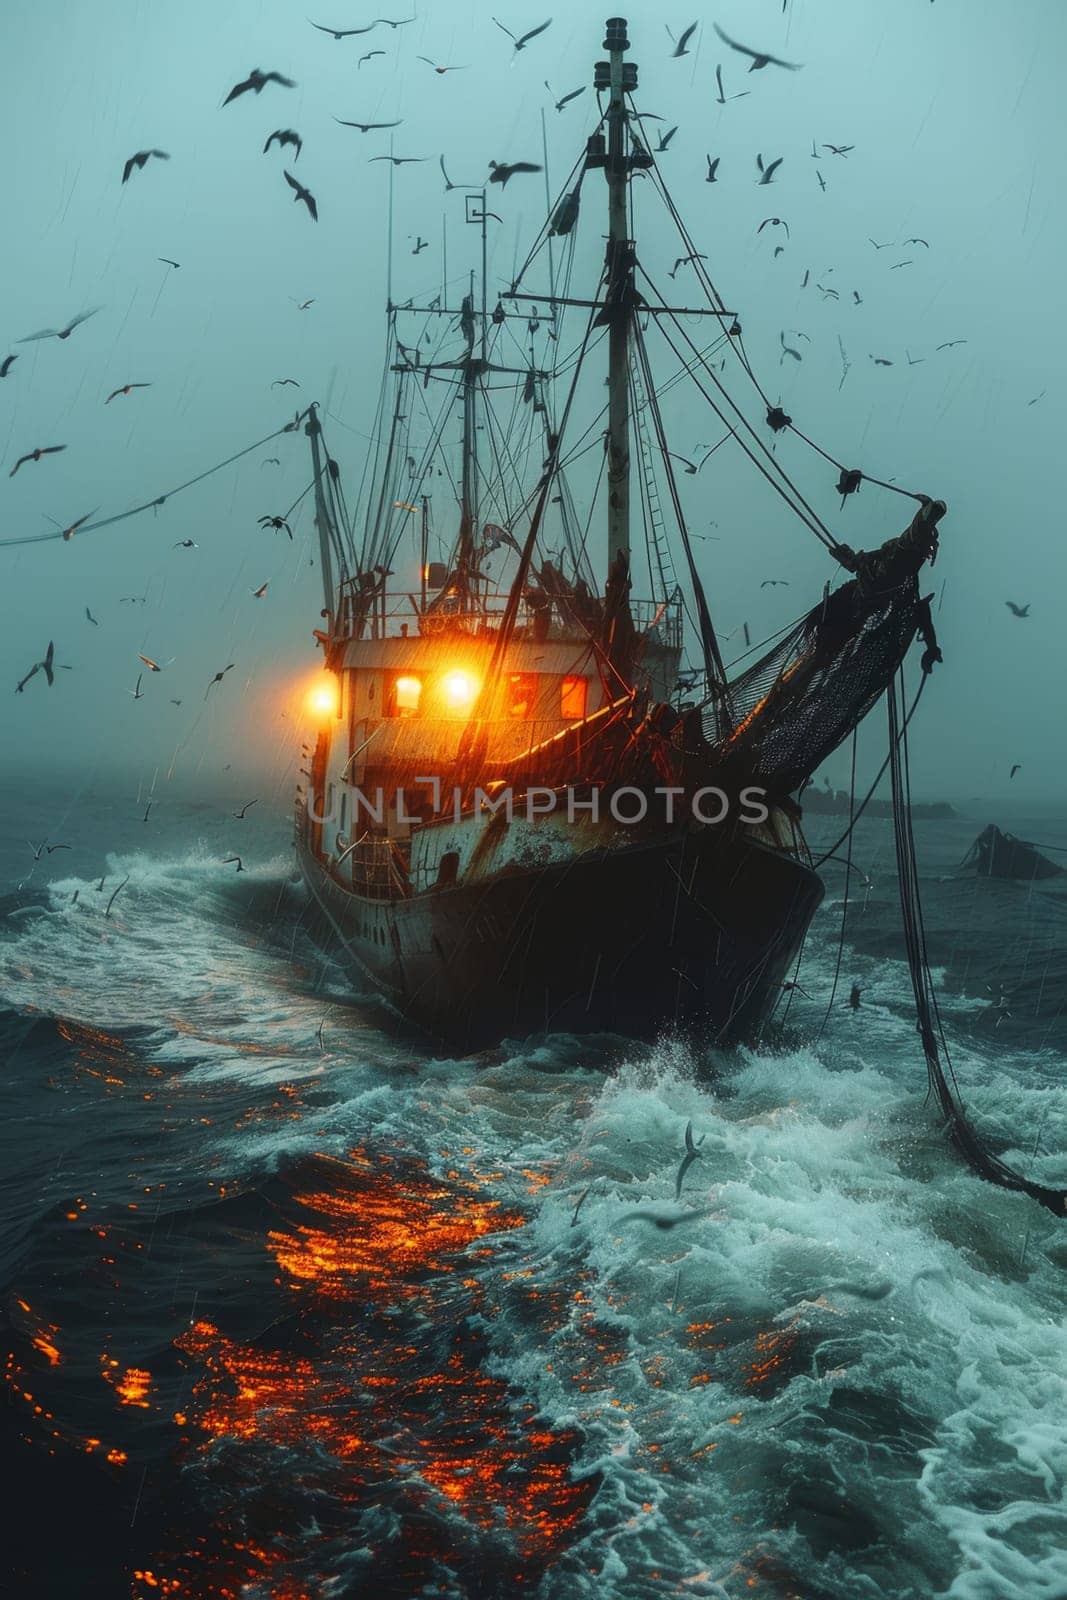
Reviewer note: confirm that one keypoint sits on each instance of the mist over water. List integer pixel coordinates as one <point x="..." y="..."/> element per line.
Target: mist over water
<point x="952" y="111"/>
<point x="296" y="1305"/>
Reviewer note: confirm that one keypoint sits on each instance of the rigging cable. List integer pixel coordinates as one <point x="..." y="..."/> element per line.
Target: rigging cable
<point x="828" y="855"/>
<point x="928" y="1019"/>
<point x="739" y="344"/>
<point x="800" y="508"/>
<point x="149" y="505"/>
<point x="848" y="884"/>
<point x="714" y="670"/>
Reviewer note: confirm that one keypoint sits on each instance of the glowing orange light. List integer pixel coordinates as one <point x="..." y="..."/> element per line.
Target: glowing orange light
<point x="459" y="689"/>
<point x="408" y="690"/>
<point x="322" y="700"/>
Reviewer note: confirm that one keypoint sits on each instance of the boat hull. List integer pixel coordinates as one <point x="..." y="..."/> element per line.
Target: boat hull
<point x="693" y="934"/>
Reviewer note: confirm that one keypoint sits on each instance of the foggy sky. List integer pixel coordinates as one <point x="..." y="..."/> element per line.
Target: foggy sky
<point x="954" y="109"/>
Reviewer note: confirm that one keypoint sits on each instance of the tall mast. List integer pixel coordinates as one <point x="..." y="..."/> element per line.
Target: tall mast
<point x="474" y="365"/>
<point x="619" y="77"/>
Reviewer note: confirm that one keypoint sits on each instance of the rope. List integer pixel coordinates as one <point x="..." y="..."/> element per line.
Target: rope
<point x="848" y="881"/>
<point x="869" y="796"/>
<point x="161" y="499"/>
<point x="737" y="341"/>
<point x="928" y="1019"/>
<point x="909" y="494"/>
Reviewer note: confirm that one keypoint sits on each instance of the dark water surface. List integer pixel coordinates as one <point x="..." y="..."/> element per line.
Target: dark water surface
<point x="296" y="1308"/>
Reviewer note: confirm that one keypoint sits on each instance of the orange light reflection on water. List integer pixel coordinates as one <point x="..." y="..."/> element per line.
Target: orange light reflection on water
<point x="388" y="1383"/>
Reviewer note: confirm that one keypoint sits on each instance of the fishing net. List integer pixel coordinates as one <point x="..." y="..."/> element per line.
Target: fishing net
<point x="780" y="719"/>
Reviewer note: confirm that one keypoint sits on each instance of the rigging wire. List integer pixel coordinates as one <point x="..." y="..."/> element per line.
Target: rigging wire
<point x="149" y="505"/>
<point x="804" y="512"/>
<point x="931" y="1030"/>
<point x="738" y="342"/>
<point x="713" y="663"/>
<point x="827" y="855"/>
<point x="844" y="898"/>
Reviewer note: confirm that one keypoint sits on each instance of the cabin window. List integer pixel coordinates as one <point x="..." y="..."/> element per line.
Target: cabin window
<point x="572" y="697"/>
<point x="407" y="692"/>
<point x="521" y="694"/>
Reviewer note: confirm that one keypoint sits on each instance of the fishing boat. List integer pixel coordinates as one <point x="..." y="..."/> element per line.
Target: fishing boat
<point x="537" y="800"/>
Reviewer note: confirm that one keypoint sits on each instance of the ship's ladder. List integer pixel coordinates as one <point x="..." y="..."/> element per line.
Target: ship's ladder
<point x="656" y="524"/>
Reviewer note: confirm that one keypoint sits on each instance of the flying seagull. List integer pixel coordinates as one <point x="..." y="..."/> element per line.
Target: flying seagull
<point x="300" y="193"/>
<point x="722" y="96"/>
<point x="366" y="127"/>
<point x="665" y="1223"/>
<point x="692" y="1153"/>
<point x="1018" y="611"/>
<point x="401" y="161"/>
<point x="140" y="159"/>
<point x="773" y="222"/>
<point x="787" y="350"/>
<point x="218" y="678"/>
<point x="137" y="693"/>
<point x="261" y="591"/>
<point x="501" y="171"/>
<point x="125" y="389"/>
<point x="686" y="261"/>
<point x="567" y="98"/>
<point x="185" y="544"/>
<point x="153" y="666"/>
<point x="682" y="47"/>
<point x="284" y="136"/>
<point x="523" y="41"/>
<point x="72" y="528"/>
<point x="760" y="58"/>
<point x="47" y="666"/>
<point x="282" y="383"/>
<point x="347" y="33"/>
<point x="1016" y="768"/>
<point x="240" y="864"/>
<point x="35" y="455"/>
<point x="449" y="185"/>
<point x="91" y="618"/>
<point x="167" y="262"/>
<point x="713" y="168"/>
<point x="665" y="139"/>
<point x="767" y="172"/>
<point x="277" y="523"/>
<point x="257" y="82"/>
<point x="240" y="814"/>
<point x="369" y="57"/>
<point x="839" y="149"/>
<point x="442" y="70"/>
<point x="6" y="365"/>
<point x="60" y="333"/>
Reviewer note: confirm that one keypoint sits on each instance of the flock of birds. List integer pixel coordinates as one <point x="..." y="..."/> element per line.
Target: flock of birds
<point x="500" y="173"/>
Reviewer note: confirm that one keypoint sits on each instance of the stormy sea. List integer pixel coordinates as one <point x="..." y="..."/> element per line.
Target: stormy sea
<point x="299" y="1308"/>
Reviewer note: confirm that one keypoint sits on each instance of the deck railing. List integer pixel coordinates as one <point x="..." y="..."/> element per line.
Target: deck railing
<point x="393" y="616"/>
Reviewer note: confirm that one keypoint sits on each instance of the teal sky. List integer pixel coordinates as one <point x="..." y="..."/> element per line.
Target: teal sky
<point x="955" y="112"/>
